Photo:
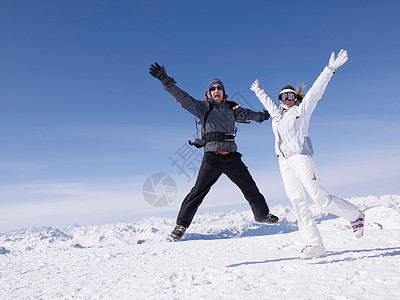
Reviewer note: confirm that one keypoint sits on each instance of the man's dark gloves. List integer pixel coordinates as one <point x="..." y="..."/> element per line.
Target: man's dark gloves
<point x="265" y="115"/>
<point x="159" y="72"/>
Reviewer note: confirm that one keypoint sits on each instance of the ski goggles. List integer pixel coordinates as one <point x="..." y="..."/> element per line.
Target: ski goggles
<point x="218" y="87"/>
<point x="287" y="95"/>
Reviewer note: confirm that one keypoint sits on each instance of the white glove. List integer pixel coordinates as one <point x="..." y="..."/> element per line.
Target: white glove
<point x="341" y="58"/>
<point x="256" y="88"/>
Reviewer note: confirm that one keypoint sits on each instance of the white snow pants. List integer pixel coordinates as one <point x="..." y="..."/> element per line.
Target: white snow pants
<point x="299" y="171"/>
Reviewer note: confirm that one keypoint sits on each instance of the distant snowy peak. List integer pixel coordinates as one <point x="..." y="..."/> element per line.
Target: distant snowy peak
<point x="381" y="213"/>
<point x="388" y="201"/>
<point x="49" y="234"/>
<point x="32" y="238"/>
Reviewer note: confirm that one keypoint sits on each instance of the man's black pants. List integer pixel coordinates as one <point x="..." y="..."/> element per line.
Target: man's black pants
<point x="212" y="166"/>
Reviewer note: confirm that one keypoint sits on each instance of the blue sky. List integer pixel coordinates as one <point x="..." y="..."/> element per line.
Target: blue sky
<point x="83" y="124"/>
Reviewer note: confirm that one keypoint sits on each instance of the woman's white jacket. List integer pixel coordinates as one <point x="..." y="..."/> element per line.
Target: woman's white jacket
<point x="290" y="126"/>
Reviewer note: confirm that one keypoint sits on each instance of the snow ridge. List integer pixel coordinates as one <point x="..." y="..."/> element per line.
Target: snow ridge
<point x="383" y="211"/>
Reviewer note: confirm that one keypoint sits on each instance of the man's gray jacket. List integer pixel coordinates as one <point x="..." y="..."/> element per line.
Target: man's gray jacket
<point x="221" y="117"/>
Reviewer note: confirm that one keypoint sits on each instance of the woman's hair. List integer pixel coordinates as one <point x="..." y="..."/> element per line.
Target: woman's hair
<point x="298" y="91"/>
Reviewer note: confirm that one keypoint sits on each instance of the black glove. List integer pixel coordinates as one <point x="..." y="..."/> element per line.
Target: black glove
<point x="265" y="115"/>
<point x="159" y="72"/>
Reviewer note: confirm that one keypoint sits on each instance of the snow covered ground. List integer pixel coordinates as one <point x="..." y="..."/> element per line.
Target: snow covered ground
<point x="223" y="256"/>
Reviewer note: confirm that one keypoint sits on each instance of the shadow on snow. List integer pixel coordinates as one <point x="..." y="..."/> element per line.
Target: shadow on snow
<point x="369" y="253"/>
<point x="257" y="230"/>
<point x="283" y="226"/>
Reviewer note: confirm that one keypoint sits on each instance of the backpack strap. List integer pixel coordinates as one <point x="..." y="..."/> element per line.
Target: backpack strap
<point x="210" y="106"/>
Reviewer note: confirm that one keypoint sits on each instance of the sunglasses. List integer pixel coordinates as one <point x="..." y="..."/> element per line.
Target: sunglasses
<point x="218" y="87"/>
<point x="287" y="96"/>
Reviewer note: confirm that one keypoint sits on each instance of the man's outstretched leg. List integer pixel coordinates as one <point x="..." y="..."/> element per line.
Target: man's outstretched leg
<point x="237" y="171"/>
<point x="210" y="171"/>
